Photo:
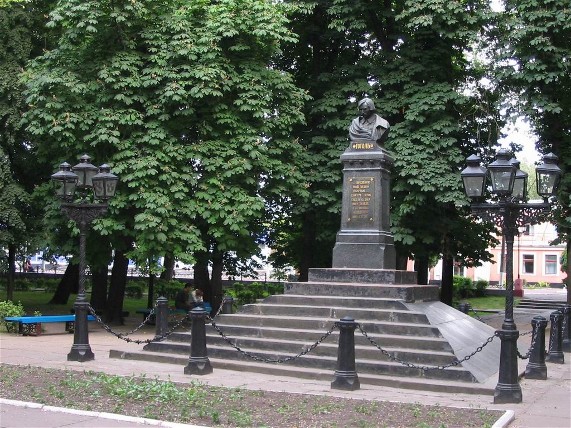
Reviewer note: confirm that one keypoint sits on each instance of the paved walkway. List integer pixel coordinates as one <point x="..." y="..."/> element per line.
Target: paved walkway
<point x="545" y="403"/>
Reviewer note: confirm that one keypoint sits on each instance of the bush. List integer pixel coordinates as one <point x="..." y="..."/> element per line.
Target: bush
<point x="480" y="288"/>
<point x="168" y="289"/>
<point x="250" y="292"/>
<point x="10" y="309"/>
<point x="134" y="290"/>
<point x="463" y="287"/>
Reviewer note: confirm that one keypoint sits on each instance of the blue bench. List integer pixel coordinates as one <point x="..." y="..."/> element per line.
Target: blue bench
<point x="33" y="325"/>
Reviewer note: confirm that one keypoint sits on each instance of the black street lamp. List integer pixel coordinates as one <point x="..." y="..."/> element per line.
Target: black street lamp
<point x="87" y="178"/>
<point x="508" y="210"/>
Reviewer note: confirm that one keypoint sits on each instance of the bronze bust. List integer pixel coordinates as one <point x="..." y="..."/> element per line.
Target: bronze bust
<point x="369" y="125"/>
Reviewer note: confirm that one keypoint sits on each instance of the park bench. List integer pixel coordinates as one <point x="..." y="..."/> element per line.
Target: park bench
<point x="33" y="325"/>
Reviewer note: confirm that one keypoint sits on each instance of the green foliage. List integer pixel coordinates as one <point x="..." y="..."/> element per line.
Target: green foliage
<point x="168" y="289"/>
<point x="540" y="284"/>
<point x="183" y="100"/>
<point x="133" y="290"/>
<point x="10" y="309"/>
<point x="245" y="293"/>
<point x="463" y="287"/>
<point x="480" y="287"/>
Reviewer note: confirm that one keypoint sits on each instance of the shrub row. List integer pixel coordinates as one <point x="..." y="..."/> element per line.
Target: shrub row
<point x="466" y="287"/>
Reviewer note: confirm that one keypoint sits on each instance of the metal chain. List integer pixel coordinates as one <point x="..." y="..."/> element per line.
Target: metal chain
<point x="425" y="368"/>
<point x="124" y="337"/>
<point x="147" y="318"/>
<point x="477" y="316"/>
<point x="278" y="360"/>
<point x="533" y="339"/>
<point x="552" y="335"/>
<point x="209" y="318"/>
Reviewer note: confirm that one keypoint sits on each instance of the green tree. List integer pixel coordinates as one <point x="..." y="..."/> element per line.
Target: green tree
<point x="180" y="97"/>
<point x="411" y="58"/>
<point x="535" y="66"/>
<point x="20" y="40"/>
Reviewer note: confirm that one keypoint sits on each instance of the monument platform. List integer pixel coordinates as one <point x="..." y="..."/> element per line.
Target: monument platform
<point x="374" y="283"/>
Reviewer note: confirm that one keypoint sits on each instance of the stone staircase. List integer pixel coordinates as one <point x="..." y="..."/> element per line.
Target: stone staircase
<point x="406" y="321"/>
<point x="546" y="304"/>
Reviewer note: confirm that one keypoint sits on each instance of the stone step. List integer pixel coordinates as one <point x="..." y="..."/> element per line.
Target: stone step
<point x="363" y="365"/>
<point x="405" y="292"/>
<point x="414" y="383"/>
<point x="384" y="340"/>
<point x="335" y="312"/>
<point x="324" y="324"/>
<point x="540" y="304"/>
<point x="339" y="301"/>
<point x="327" y="348"/>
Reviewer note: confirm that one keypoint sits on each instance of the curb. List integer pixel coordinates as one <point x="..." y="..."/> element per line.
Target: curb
<point x="103" y="415"/>
<point x="505" y="419"/>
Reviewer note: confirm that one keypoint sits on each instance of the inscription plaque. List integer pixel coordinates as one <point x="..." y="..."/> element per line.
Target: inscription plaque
<point x="361" y="208"/>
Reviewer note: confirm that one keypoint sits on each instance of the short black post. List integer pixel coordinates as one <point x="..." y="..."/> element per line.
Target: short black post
<point x="555" y="354"/>
<point x="227" y="305"/>
<point x="464" y="308"/>
<point x="566" y="310"/>
<point x="536" y="368"/>
<point x="198" y="363"/>
<point x="162" y="318"/>
<point x="346" y="376"/>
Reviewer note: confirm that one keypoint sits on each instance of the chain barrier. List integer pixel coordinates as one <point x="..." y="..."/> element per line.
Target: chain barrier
<point x="277" y="360"/>
<point x="477" y="316"/>
<point x="211" y="319"/>
<point x="124" y="336"/>
<point x="531" y="346"/>
<point x="425" y="368"/>
<point x="552" y="334"/>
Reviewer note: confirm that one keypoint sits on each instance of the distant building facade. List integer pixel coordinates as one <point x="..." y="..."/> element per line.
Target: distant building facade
<point x="534" y="259"/>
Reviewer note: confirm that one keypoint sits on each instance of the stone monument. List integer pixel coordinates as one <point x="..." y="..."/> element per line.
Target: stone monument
<point x="364" y="240"/>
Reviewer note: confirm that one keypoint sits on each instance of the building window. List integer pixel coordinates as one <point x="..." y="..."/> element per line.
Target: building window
<point x="528" y="264"/>
<point x="527" y="230"/>
<point x="551" y="264"/>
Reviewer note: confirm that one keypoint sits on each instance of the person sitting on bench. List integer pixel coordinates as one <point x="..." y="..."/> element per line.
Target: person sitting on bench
<point x="182" y="298"/>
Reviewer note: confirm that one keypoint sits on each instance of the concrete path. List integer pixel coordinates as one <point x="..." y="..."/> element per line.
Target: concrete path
<point x="545" y="403"/>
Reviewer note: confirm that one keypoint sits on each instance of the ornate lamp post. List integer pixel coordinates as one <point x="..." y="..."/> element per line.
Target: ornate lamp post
<point x="508" y="210"/>
<point x="86" y="178"/>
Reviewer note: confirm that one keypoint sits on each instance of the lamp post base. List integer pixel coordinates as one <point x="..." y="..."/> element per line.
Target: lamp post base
<point x="80" y="350"/>
<point x="508" y="389"/>
<point x="507" y="393"/>
<point x="81" y="353"/>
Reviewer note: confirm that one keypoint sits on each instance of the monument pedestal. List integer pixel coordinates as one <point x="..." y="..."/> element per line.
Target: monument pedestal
<point x="364" y="240"/>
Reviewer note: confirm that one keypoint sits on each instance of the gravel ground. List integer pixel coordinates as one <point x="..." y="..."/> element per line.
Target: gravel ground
<point x="223" y="407"/>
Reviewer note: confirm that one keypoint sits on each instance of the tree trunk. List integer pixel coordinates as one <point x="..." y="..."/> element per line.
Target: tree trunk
<point x="151" y="294"/>
<point x="68" y="284"/>
<point x="401" y="261"/>
<point x="447" y="286"/>
<point x="168" y="272"/>
<point x="568" y="269"/>
<point x="99" y="289"/>
<point x="216" y="279"/>
<point x="201" y="277"/>
<point x="421" y="268"/>
<point x="11" y="272"/>
<point x="114" y="310"/>
<point x="308" y="243"/>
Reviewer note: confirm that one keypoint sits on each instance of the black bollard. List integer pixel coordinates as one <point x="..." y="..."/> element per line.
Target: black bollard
<point x="198" y="363"/>
<point x="536" y="368"/>
<point x="566" y="331"/>
<point x="555" y="353"/>
<point x="464" y="308"/>
<point x="227" y="305"/>
<point x="161" y="317"/>
<point x="346" y="376"/>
